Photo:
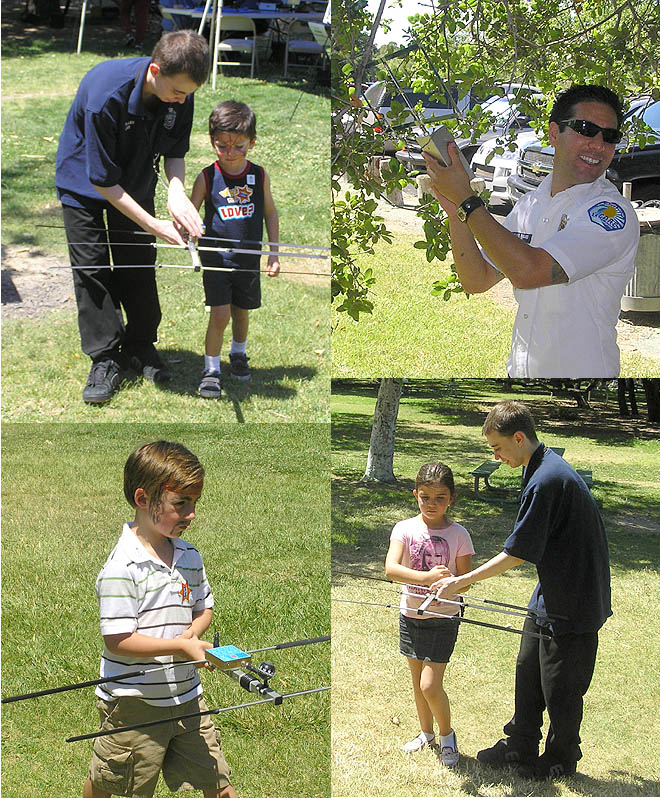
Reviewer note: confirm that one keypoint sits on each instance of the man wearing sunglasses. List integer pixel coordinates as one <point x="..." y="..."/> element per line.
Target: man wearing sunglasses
<point x="568" y="247"/>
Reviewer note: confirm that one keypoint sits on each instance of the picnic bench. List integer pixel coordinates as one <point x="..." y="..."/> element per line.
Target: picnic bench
<point x="493" y="493"/>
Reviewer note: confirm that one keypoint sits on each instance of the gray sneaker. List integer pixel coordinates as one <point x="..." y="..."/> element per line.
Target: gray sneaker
<point x="103" y="382"/>
<point x="238" y="367"/>
<point x="449" y="753"/>
<point x="210" y="386"/>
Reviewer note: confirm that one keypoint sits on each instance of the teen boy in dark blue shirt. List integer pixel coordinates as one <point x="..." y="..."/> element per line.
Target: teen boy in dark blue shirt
<point x="560" y="530"/>
<point x="126" y="115"/>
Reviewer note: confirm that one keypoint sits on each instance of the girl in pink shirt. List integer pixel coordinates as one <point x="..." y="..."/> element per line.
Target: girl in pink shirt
<point x="423" y="549"/>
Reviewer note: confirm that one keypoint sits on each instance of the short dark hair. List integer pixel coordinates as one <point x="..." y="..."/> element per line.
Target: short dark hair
<point x="160" y="466"/>
<point x="507" y="418"/>
<point x="581" y="93"/>
<point x="233" y="117"/>
<point x="435" y="473"/>
<point x="182" y="52"/>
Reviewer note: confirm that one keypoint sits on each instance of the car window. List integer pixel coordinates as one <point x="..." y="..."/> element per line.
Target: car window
<point x="652" y="116"/>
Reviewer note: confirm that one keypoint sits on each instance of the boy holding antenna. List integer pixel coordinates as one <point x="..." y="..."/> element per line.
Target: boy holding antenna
<point x="237" y="201"/>
<point x="155" y="606"/>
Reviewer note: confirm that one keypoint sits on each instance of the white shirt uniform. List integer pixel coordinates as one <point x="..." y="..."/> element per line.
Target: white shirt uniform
<point x="569" y="330"/>
<point x="137" y="592"/>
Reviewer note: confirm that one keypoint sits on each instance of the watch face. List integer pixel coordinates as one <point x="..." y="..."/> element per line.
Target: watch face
<point x="460" y="212"/>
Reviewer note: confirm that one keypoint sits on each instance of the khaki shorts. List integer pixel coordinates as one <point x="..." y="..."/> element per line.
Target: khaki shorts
<point x="188" y="752"/>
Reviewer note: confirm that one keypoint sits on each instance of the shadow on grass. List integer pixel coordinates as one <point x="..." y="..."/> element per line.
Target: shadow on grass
<point x="474" y="775"/>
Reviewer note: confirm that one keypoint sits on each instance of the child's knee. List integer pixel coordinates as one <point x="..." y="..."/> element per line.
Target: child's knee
<point x="220" y="316"/>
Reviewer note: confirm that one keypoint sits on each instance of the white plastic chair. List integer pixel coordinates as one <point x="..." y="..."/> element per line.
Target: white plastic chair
<point x="295" y="43"/>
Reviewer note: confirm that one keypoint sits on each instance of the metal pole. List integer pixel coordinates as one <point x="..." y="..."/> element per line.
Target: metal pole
<point x="83" y="13"/>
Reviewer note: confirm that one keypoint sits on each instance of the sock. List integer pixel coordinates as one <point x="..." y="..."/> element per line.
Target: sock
<point x="238" y="347"/>
<point x="426" y="736"/>
<point x="448" y="740"/>
<point x="211" y="363"/>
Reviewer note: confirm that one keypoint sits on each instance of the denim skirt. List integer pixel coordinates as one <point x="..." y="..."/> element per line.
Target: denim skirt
<point x="431" y="639"/>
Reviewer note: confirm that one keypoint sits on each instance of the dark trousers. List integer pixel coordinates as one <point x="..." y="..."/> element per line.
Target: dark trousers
<point x="554" y="675"/>
<point x="102" y="293"/>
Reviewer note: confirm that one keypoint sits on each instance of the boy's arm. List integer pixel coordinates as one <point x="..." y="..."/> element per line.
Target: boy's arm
<point x="400" y="573"/>
<point x="138" y="645"/>
<point x="198" y="194"/>
<point x="178" y="205"/>
<point x="124" y="203"/>
<point x="272" y="227"/>
<point x="201" y="622"/>
<point x="448" y="587"/>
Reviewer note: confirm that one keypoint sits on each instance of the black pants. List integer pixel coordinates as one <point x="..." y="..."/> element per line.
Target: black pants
<point x="554" y="675"/>
<point x="101" y="293"/>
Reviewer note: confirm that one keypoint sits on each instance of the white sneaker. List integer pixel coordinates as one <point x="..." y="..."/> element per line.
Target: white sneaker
<point x="449" y="753"/>
<point x="417" y="744"/>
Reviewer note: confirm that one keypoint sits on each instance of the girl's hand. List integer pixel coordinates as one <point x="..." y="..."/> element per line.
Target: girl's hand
<point x="436" y="573"/>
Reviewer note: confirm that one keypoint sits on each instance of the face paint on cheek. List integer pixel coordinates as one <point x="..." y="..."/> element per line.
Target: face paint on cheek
<point x="155" y="512"/>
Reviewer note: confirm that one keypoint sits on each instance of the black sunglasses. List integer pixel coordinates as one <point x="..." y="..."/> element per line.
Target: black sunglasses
<point x="590" y="129"/>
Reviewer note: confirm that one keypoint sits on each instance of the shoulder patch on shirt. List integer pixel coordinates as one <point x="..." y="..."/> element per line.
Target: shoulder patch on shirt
<point x="608" y="215"/>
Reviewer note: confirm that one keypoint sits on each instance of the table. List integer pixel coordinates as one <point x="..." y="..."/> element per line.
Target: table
<point x="256" y="14"/>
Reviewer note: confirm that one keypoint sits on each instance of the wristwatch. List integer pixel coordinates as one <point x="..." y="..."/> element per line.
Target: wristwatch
<point x="469" y="205"/>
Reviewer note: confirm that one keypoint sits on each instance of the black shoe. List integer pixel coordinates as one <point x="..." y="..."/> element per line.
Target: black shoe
<point x="506" y="752"/>
<point x="146" y="360"/>
<point x="103" y="382"/>
<point x="238" y="367"/>
<point x="210" y="386"/>
<point x="546" y="768"/>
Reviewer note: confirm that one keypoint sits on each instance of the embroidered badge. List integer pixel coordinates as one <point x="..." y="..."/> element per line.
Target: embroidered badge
<point x="236" y="211"/>
<point x="608" y="215"/>
<point x="563" y="222"/>
<point x="527" y="237"/>
<point x="185" y="592"/>
<point x="170" y="118"/>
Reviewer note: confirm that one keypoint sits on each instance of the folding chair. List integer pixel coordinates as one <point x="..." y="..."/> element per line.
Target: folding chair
<point x="250" y="44"/>
<point x="299" y="41"/>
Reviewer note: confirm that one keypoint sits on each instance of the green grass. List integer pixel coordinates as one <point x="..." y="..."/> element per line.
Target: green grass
<point x="43" y="369"/>
<point x="261" y="527"/>
<point x="413" y="333"/>
<point x="372" y="703"/>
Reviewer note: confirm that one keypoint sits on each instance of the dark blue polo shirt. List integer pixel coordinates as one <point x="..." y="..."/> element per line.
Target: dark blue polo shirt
<point x="111" y="138"/>
<point x="560" y="530"/>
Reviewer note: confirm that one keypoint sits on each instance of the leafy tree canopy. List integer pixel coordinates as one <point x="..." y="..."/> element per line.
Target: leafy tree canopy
<point x="477" y="48"/>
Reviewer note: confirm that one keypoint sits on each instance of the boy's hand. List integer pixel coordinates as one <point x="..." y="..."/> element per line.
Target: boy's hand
<point x="273" y="268"/>
<point x="192" y="648"/>
<point x="183" y="211"/>
<point x="447" y="587"/>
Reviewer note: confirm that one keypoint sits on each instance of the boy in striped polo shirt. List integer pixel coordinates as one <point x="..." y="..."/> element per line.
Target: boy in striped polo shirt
<point x="155" y="605"/>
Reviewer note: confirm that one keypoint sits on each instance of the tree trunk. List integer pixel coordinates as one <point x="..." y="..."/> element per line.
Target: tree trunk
<point x="381" y="446"/>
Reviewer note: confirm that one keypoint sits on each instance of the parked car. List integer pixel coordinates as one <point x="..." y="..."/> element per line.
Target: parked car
<point x="637" y="165"/>
<point x="506" y="114"/>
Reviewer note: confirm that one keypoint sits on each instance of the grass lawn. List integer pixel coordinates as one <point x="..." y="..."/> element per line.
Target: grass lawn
<point x="372" y="705"/>
<point x="43" y="368"/>
<point x="261" y="527"/>
<point x="412" y="333"/>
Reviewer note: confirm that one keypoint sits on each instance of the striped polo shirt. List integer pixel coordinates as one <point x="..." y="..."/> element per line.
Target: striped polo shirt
<point x="139" y="593"/>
